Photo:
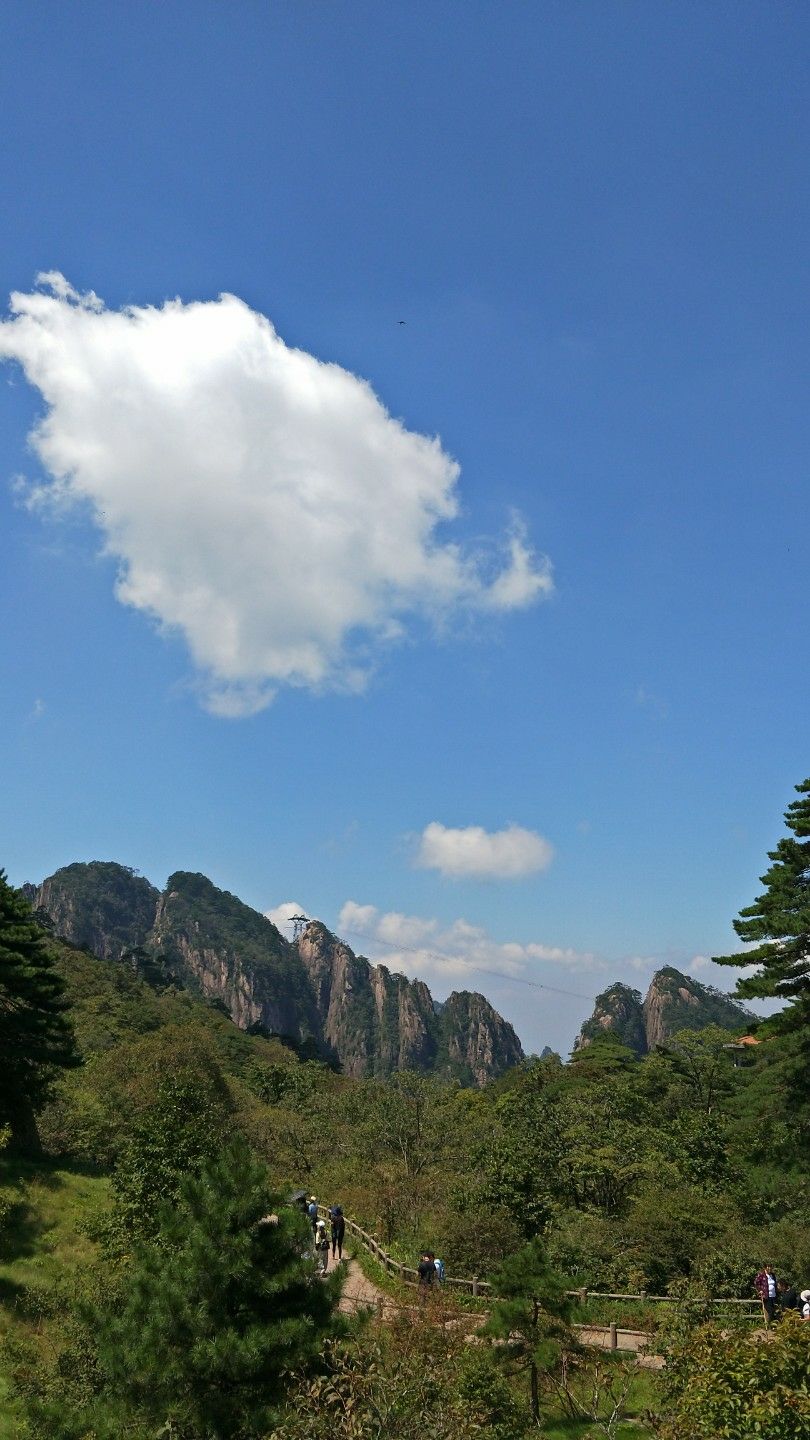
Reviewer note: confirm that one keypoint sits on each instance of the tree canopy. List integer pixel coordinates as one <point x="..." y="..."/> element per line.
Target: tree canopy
<point x="36" y="1038"/>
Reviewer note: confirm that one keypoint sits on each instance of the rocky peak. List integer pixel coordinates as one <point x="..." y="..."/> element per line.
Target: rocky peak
<point x="99" y="906"/>
<point x="617" y="1011"/>
<point x="477" y="1042"/>
<point x="673" y="1002"/>
<point x="374" y="1020"/>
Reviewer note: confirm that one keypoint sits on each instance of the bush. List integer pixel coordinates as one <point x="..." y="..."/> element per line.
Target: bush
<point x="719" y="1382"/>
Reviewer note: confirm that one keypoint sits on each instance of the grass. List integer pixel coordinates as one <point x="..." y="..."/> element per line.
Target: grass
<point x="42" y="1244"/>
<point x="642" y="1396"/>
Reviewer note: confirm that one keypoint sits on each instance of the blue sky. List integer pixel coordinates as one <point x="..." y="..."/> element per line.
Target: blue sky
<point x="593" y="219"/>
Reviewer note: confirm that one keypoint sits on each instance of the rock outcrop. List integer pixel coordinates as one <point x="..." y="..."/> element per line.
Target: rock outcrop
<point x="228" y="952"/>
<point x="103" y="907"/>
<point x="673" y="1002"/>
<point x="476" y="1043"/>
<point x="315" y="990"/>
<point x="375" y="1021"/>
<point x="617" y="1011"/>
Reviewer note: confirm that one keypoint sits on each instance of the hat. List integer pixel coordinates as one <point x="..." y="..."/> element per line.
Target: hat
<point x="313" y="1200"/>
<point x="805" y="1295"/>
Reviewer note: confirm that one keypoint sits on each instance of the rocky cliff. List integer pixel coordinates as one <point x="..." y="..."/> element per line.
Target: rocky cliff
<point x="673" y="1002"/>
<point x="376" y="1022"/>
<point x="229" y="952"/>
<point x="617" y="1011"/>
<point x="476" y="1041"/>
<point x="103" y="907"/>
<point x="371" y="1020"/>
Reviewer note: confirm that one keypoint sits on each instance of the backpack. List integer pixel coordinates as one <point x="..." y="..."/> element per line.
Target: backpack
<point x="439" y="1267"/>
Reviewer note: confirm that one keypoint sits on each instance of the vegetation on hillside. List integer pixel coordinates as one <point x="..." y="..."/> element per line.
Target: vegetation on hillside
<point x="153" y="1279"/>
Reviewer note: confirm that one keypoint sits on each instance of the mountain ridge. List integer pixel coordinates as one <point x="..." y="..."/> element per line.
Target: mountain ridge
<point x="315" y="990"/>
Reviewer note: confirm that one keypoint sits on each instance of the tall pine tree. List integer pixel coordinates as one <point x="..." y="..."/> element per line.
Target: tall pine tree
<point x="217" y="1310"/>
<point x="36" y="1038"/>
<point x="778" y="923"/>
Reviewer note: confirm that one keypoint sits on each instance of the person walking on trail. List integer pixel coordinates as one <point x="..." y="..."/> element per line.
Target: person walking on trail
<point x="337" y="1222"/>
<point x="438" y="1266"/>
<point x="766" y="1288"/>
<point x="426" y="1271"/>
<point x="312" y="1211"/>
<point x="805" y="1304"/>
<point x="322" y="1246"/>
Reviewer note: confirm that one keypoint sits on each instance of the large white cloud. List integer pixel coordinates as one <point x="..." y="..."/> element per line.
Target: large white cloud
<point x="475" y="853"/>
<point x="258" y="501"/>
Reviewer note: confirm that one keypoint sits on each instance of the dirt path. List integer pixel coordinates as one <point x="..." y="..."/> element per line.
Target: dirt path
<point x="358" y="1290"/>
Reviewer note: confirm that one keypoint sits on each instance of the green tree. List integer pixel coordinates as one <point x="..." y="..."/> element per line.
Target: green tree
<point x="36" y="1038"/>
<point x="531" y="1313"/>
<point x="182" y="1129"/>
<point x="218" y="1309"/>
<point x="778" y="924"/>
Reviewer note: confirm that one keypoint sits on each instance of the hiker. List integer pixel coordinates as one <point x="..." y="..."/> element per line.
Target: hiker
<point x="788" y="1299"/>
<point x="338" y="1225"/>
<point x="426" y="1271"/>
<point x="312" y="1211"/>
<point x="765" y="1286"/>
<point x="438" y="1266"/>
<point x="805" y="1299"/>
<point x="322" y="1246"/>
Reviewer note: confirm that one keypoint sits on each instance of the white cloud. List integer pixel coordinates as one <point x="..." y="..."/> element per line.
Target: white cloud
<point x="424" y="947"/>
<point x="259" y="502"/>
<point x="281" y="915"/>
<point x="475" y="853"/>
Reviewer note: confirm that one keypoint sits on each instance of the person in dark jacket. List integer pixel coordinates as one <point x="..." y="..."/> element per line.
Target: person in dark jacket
<point x="765" y="1285"/>
<point x="337" y="1221"/>
<point x="426" y="1271"/>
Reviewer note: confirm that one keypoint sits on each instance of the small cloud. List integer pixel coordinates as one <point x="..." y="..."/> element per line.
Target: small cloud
<point x="357" y="918"/>
<point x="475" y="853"/>
<point x="37" y="709"/>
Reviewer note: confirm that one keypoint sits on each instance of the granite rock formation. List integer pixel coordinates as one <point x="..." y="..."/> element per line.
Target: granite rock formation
<point x="316" y="990"/>
<point x="673" y="1002"/>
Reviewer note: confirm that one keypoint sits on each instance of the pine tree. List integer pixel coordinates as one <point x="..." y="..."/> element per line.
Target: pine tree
<point x="218" y="1309"/>
<point x="36" y="1038"/>
<point x="531" y="1314"/>
<point x="778" y="923"/>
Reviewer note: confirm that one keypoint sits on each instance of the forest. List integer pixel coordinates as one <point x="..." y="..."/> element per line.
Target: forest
<point x="156" y="1280"/>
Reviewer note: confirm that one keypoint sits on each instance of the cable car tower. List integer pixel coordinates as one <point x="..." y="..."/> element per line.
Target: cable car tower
<point x="299" y="924"/>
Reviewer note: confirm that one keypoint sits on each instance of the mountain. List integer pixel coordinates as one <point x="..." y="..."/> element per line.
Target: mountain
<point x="673" y="1002"/>
<point x="315" y="991"/>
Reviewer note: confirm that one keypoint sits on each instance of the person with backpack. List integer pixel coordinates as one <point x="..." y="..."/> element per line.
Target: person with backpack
<point x="438" y="1266"/>
<point x="312" y="1211"/>
<point x="426" y="1271"/>
<point x="322" y="1246"/>
<point x="805" y="1304"/>
<point x="337" y="1222"/>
